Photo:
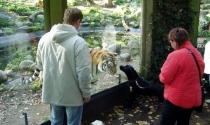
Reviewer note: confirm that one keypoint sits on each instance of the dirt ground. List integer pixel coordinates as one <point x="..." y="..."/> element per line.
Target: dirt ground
<point x="20" y="99"/>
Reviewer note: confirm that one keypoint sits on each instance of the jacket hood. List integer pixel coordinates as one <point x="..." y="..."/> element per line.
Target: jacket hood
<point x="61" y="32"/>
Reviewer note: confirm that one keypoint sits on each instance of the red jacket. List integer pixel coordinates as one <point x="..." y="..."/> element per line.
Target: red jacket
<point x="180" y="76"/>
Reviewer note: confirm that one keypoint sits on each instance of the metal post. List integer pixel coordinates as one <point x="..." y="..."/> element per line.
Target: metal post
<point x="26" y="118"/>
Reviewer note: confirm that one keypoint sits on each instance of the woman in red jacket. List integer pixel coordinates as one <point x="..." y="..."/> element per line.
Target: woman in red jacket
<point x="180" y="77"/>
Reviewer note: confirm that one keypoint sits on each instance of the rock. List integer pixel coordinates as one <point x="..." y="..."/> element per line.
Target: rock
<point x="1" y="33"/>
<point x="97" y="48"/>
<point x="137" y="25"/>
<point x="9" y="73"/>
<point x="14" y="82"/>
<point x="40" y="17"/>
<point x="29" y="23"/>
<point x="8" y="31"/>
<point x="6" y="20"/>
<point x="29" y="57"/>
<point x="24" y="13"/>
<point x="26" y="64"/>
<point x="132" y="44"/>
<point x="33" y="66"/>
<point x="23" y="29"/>
<point x="3" y="76"/>
<point x="114" y="48"/>
<point x="18" y="24"/>
<point x="131" y="23"/>
<point x="125" y="57"/>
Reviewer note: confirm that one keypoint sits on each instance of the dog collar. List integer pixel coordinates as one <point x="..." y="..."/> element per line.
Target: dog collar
<point x="141" y="86"/>
<point x="133" y="80"/>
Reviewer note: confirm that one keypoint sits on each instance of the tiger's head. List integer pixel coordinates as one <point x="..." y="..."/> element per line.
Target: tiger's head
<point x="108" y="63"/>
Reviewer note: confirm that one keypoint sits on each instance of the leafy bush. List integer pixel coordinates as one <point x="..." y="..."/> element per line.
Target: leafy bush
<point x="167" y="15"/>
<point x="18" y="8"/>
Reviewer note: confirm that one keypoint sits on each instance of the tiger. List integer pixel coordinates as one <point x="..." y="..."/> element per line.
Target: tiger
<point x="101" y="61"/>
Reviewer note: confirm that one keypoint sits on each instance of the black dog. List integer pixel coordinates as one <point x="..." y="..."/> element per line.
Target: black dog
<point x="140" y="85"/>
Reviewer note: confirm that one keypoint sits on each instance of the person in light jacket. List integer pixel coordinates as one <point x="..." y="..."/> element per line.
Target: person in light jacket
<point x="180" y="77"/>
<point x="207" y="66"/>
<point x="64" y="58"/>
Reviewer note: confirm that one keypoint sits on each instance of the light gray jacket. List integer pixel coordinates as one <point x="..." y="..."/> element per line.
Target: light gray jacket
<point x="64" y="58"/>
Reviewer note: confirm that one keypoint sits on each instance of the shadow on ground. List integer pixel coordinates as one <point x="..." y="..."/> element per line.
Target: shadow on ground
<point x="144" y="111"/>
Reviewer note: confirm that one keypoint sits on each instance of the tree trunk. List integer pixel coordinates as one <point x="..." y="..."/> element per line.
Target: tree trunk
<point x="109" y="3"/>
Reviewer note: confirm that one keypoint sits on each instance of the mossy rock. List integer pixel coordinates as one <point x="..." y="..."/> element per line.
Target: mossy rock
<point x="6" y="21"/>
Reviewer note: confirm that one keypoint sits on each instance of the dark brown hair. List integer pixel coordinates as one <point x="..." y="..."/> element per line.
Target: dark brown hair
<point x="71" y="15"/>
<point x="179" y="35"/>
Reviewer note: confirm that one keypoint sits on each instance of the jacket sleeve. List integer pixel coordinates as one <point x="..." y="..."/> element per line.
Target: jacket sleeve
<point x="38" y="55"/>
<point x="83" y="68"/>
<point x="207" y="53"/>
<point x="169" y="69"/>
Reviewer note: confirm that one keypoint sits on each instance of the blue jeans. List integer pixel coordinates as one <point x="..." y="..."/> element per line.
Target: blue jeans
<point x="172" y="114"/>
<point x="74" y="115"/>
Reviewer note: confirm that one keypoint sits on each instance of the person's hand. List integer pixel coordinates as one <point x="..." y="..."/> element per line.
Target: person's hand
<point x="86" y="100"/>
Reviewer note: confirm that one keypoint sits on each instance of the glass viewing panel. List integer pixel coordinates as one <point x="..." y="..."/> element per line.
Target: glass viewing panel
<point x="112" y="27"/>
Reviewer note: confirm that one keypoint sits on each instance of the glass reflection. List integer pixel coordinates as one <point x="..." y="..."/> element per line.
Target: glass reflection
<point x="113" y="26"/>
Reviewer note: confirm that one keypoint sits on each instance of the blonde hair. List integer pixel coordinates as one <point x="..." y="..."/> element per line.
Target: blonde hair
<point x="71" y="15"/>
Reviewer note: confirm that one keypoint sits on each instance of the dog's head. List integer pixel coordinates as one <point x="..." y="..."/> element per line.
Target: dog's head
<point x="130" y="72"/>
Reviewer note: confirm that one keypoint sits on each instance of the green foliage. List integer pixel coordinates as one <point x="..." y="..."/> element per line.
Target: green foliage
<point x="203" y="34"/>
<point x="18" y="57"/>
<point x="93" y="41"/>
<point x="45" y="119"/>
<point x="120" y="2"/>
<point x="92" y="16"/>
<point x="138" y="2"/>
<point x="124" y="2"/>
<point x="3" y="89"/>
<point x="205" y="85"/>
<point x="126" y="11"/>
<point x="37" y="27"/>
<point x="18" y="8"/>
<point x="167" y="15"/>
<point x="22" y="18"/>
<point x="73" y="3"/>
<point x="133" y="49"/>
<point x="95" y="17"/>
<point x="36" y="85"/>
